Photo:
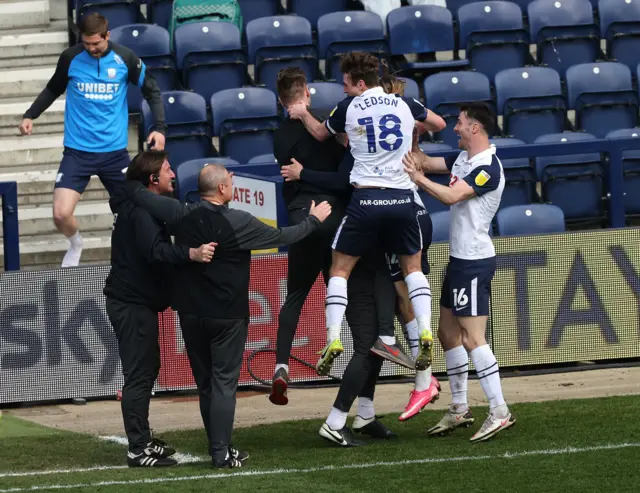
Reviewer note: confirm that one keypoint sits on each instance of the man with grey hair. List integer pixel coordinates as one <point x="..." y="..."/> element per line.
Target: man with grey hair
<point x="213" y="302"/>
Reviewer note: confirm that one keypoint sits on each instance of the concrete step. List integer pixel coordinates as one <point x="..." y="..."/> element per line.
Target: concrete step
<point x="24" y="13"/>
<point x="34" y="45"/>
<point x="93" y="216"/>
<point x="24" y="82"/>
<point x="36" y="187"/>
<point x="47" y="251"/>
<point x="52" y="26"/>
<point x="44" y="61"/>
<point x="50" y="122"/>
<point x="42" y="149"/>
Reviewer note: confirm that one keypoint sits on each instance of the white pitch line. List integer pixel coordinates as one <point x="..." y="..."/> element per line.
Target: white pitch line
<point x="178" y="456"/>
<point x="369" y="465"/>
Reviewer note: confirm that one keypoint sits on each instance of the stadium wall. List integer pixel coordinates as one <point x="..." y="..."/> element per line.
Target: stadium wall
<point x="560" y="298"/>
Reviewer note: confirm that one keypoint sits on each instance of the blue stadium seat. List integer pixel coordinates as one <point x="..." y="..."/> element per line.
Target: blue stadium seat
<point x="244" y="120"/>
<point x="254" y="9"/>
<point x="564" y="32"/>
<point x="159" y="12"/>
<point x="152" y="45"/>
<point x="532" y="219"/>
<point x="262" y="158"/>
<point x="603" y="97"/>
<point x="630" y="170"/>
<point x="342" y="32"/>
<point x="189" y="134"/>
<point x="279" y="42"/>
<point x="493" y="35"/>
<point x="210" y="56"/>
<point x="440" y="221"/>
<point x="455" y="5"/>
<point x="312" y="11"/>
<point x="324" y="97"/>
<point x="444" y="91"/>
<point x="519" y="174"/>
<point x="531" y="102"/>
<point x="423" y="29"/>
<point x="573" y="182"/>
<point x="118" y="12"/>
<point x="620" y="26"/>
<point x="187" y="176"/>
<point x="411" y="89"/>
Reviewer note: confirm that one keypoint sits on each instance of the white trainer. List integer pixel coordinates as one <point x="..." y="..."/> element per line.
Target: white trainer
<point x="492" y="426"/>
<point x="452" y="420"/>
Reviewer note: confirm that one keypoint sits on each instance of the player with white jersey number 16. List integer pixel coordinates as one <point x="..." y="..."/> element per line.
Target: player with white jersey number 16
<point x="382" y="210"/>
<point x="474" y="194"/>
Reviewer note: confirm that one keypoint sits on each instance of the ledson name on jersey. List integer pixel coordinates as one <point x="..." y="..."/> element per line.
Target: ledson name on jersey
<point x="373" y="101"/>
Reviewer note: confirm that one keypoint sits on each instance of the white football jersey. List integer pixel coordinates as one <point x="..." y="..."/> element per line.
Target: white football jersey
<point x="471" y="219"/>
<point x="380" y="130"/>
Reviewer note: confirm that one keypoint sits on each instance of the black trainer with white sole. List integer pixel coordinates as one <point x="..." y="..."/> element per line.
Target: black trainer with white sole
<point x="161" y="448"/>
<point x="372" y="427"/>
<point x="229" y="463"/>
<point x="343" y="437"/>
<point x="148" y="458"/>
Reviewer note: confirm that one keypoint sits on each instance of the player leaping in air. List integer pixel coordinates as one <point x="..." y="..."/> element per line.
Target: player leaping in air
<point x="382" y="210"/>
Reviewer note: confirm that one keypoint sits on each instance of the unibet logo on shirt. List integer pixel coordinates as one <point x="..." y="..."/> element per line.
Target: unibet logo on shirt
<point x="482" y="178"/>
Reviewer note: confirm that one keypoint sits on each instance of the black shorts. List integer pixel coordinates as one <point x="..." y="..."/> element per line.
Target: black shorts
<point x="379" y="217"/>
<point x="466" y="288"/>
<point x="426" y="226"/>
<point x="77" y="168"/>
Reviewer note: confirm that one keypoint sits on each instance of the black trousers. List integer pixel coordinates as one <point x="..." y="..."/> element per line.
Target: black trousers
<point x="306" y="260"/>
<point x="215" y="349"/>
<point x="136" y="329"/>
<point x="370" y="312"/>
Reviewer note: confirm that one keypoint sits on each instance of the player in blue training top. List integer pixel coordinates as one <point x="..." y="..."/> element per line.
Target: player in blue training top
<point x="95" y="74"/>
<point x="382" y="210"/>
<point x="474" y="194"/>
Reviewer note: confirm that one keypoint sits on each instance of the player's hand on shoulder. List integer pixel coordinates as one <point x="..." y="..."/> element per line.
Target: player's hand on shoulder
<point x="411" y="166"/>
<point x="26" y="126"/>
<point x="158" y="141"/>
<point x="291" y="172"/>
<point x="297" y="110"/>
<point x="321" y="211"/>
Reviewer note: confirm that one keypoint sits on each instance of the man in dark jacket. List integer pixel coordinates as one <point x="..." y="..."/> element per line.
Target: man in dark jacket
<point x="213" y="300"/>
<point x="136" y="290"/>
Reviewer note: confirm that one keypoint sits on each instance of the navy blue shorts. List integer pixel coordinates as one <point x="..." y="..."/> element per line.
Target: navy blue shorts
<point x="77" y="168"/>
<point x="426" y="227"/>
<point x="379" y="217"/>
<point x="467" y="286"/>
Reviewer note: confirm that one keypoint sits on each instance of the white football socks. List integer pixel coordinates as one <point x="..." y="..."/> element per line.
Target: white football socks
<point x="457" y="361"/>
<point x="337" y="419"/>
<point x="420" y="296"/>
<point x="72" y="257"/>
<point x="366" y="409"/>
<point x="335" y="306"/>
<point x="413" y="335"/>
<point x="489" y="376"/>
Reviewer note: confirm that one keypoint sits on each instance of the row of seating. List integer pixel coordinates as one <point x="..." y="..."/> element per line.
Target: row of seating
<point x="492" y="33"/>
<point x="510" y="220"/>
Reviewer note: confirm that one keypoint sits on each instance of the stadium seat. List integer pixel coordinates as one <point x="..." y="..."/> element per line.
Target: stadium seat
<point x="573" y="182"/>
<point x="187" y="176"/>
<point x="312" y="11"/>
<point x="620" y="27"/>
<point x="423" y="29"/>
<point x="118" y="12"/>
<point x="493" y="35"/>
<point x="324" y="97"/>
<point x="151" y="44"/>
<point x="279" y="42"/>
<point x="603" y="97"/>
<point x="444" y="91"/>
<point x="188" y="135"/>
<point x="564" y="32"/>
<point x="210" y="56"/>
<point x="455" y="5"/>
<point x="342" y="32"/>
<point x="159" y="12"/>
<point x="255" y="9"/>
<point x="411" y="89"/>
<point x="531" y="102"/>
<point x="519" y="175"/>
<point x="440" y="226"/>
<point x="244" y="120"/>
<point x="262" y="158"/>
<point x="630" y="170"/>
<point x="532" y="219"/>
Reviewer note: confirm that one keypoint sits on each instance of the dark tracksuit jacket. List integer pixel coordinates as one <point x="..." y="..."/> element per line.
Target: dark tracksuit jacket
<point x="137" y="288"/>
